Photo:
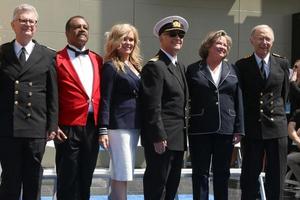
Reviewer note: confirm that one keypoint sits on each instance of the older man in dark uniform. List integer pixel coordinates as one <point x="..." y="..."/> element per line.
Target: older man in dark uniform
<point x="28" y="107"/>
<point x="265" y="81"/>
<point x="164" y="100"/>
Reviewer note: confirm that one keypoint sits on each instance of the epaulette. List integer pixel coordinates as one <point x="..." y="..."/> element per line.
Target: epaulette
<point x="52" y="49"/>
<point x="248" y="56"/>
<point x="277" y="55"/>
<point x="154" y="59"/>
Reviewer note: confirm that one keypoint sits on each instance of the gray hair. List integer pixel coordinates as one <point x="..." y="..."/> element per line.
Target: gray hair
<point x="24" y="8"/>
<point x="262" y="26"/>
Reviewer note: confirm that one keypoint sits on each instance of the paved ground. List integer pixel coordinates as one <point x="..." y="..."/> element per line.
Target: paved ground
<point x="135" y="189"/>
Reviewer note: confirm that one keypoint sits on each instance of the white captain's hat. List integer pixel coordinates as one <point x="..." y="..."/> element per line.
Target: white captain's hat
<point x="170" y="23"/>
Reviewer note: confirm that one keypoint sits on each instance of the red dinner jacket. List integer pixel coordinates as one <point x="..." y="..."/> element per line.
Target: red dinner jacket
<point x="73" y="100"/>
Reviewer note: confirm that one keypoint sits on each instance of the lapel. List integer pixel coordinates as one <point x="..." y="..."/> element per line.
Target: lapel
<point x="205" y="71"/>
<point x="225" y="71"/>
<point x="182" y="71"/>
<point x="68" y="66"/>
<point x="35" y="56"/>
<point x="133" y="79"/>
<point x="253" y="64"/>
<point x="9" y="55"/>
<point x="272" y="69"/>
<point x="96" y="75"/>
<point x="171" y="67"/>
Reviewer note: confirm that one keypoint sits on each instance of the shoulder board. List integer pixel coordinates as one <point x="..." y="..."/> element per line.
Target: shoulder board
<point x="248" y="56"/>
<point x="154" y="59"/>
<point x="52" y="49"/>
<point x="277" y="55"/>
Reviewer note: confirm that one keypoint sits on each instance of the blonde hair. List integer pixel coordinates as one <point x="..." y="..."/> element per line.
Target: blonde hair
<point x="209" y="41"/>
<point x="113" y="42"/>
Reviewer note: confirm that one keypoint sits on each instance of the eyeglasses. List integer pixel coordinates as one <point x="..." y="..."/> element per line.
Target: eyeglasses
<point x="29" y="21"/>
<point x="175" y="33"/>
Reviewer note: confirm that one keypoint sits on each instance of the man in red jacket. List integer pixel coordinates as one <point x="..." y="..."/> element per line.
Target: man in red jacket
<point x="78" y="71"/>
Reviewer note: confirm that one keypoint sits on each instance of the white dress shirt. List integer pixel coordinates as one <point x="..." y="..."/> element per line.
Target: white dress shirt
<point x="266" y="63"/>
<point x="28" y="49"/>
<point x="173" y="59"/>
<point x="85" y="71"/>
<point x="216" y="74"/>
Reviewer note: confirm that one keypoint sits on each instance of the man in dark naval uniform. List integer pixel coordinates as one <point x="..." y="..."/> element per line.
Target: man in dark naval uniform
<point x="265" y="80"/>
<point x="28" y="107"/>
<point x="164" y="100"/>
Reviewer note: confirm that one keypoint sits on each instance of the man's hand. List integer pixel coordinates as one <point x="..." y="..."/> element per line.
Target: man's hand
<point x="51" y="135"/>
<point x="104" y="141"/>
<point x="60" y="136"/>
<point x="236" y="138"/>
<point x="160" y="147"/>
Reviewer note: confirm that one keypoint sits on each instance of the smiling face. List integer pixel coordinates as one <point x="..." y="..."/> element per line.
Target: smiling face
<point x="126" y="46"/>
<point x="24" y="25"/>
<point x="219" y="48"/>
<point x="262" y="41"/>
<point x="78" y="32"/>
<point x="170" y="43"/>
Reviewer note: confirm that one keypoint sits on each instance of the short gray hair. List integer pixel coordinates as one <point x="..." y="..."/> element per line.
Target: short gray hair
<point x="262" y="26"/>
<point x="24" y="8"/>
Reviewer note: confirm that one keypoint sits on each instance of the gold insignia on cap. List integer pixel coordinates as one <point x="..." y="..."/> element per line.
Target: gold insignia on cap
<point x="176" y="24"/>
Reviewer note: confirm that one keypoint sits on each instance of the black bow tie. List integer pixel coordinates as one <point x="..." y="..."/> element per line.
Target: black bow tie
<point x="77" y="53"/>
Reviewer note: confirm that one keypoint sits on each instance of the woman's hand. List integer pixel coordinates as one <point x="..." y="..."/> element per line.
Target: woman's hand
<point x="104" y="141"/>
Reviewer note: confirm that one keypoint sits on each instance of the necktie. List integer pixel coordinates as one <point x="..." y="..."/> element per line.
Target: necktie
<point x="178" y="71"/>
<point x="262" y="70"/>
<point x="77" y="53"/>
<point x="22" y="57"/>
<point x="177" y="68"/>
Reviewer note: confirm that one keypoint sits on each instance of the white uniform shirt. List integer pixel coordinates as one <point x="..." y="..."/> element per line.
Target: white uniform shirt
<point x="18" y="49"/>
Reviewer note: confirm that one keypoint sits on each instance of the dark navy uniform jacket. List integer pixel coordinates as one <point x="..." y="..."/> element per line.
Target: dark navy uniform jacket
<point x="164" y="103"/>
<point x="28" y="94"/>
<point x="264" y="100"/>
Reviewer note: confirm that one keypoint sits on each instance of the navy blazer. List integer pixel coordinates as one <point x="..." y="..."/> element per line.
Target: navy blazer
<point x="214" y="108"/>
<point x="119" y="98"/>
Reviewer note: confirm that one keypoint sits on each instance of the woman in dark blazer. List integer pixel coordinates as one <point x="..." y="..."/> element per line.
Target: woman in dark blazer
<point x="120" y="110"/>
<point x="216" y="121"/>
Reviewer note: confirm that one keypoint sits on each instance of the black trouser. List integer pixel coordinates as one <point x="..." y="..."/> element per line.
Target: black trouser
<point x="205" y="149"/>
<point x="21" y="168"/>
<point x="162" y="175"/>
<point x="253" y="155"/>
<point x="76" y="160"/>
